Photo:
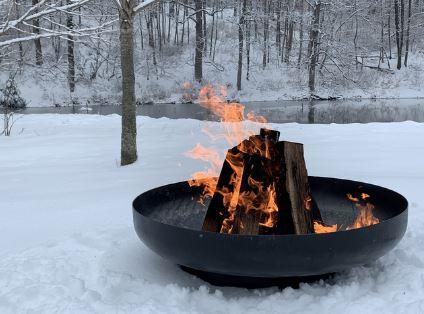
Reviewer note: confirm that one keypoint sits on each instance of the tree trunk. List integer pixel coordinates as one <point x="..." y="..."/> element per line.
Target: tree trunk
<point x="265" y="43"/>
<point x="129" y="124"/>
<point x="389" y="33"/>
<point x="241" y="35"/>
<point x="299" y="59"/>
<point x="37" y="42"/>
<point x="248" y="35"/>
<point x="177" y="17"/>
<point x="141" y="32"/>
<point x="158" y="29"/>
<point x="171" y="11"/>
<point x="185" y="13"/>
<point x="198" y="59"/>
<point x="152" y="42"/>
<point x="399" y="23"/>
<point x="289" y="41"/>
<point x="355" y="37"/>
<point x="71" y="58"/>
<point x="212" y="29"/>
<point x="314" y="45"/>
<point x="408" y="28"/>
<point x="278" y="29"/>
<point x="205" y="50"/>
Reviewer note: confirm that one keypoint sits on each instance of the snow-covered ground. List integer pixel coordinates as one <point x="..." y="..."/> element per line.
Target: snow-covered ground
<point x="67" y="243"/>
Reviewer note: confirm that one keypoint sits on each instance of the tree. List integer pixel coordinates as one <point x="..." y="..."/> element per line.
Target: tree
<point x="399" y="26"/>
<point x="127" y="11"/>
<point x="198" y="59"/>
<point x="129" y="124"/>
<point x="314" y="44"/>
<point x="37" y="40"/>
<point x="71" y="57"/>
<point x="408" y="31"/>
<point x="241" y="23"/>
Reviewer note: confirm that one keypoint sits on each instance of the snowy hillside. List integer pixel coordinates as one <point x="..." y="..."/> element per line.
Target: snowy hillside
<point x="68" y="243"/>
<point x="360" y="50"/>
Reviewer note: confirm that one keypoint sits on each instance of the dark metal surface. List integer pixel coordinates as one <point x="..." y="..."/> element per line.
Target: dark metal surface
<point x="168" y="220"/>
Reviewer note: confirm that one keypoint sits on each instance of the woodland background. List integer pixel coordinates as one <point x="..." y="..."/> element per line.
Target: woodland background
<point x="67" y="51"/>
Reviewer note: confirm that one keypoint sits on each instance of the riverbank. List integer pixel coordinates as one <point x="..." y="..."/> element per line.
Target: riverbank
<point x="301" y="111"/>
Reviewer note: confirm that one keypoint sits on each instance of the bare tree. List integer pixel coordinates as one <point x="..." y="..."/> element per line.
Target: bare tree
<point x="399" y="26"/>
<point x="198" y="59"/>
<point x="71" y="57"/>
<point x="408" y="31"/>
<point x="127" y="11"/>
<point x="129" y="123"/>
<point x="37" y="40"/>
<point x="314" y="44"/>
<point x="241" y="27"/>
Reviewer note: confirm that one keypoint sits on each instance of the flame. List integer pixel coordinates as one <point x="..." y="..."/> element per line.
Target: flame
<point x="320" y="227"/>
<point x="206" y="179"/>
<point x="364" y="196"/>
<point x="365" y="217"/>
<point x="271" y="209"/>
<point x="255" y="196"/>
<point x="233" y="131"/>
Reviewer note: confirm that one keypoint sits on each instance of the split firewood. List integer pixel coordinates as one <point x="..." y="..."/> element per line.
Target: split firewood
<point x="263" y="189"/>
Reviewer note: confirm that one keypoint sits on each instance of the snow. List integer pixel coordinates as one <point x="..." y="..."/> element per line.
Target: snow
<point x="41" y="87"/>
<point x="68" y="243"/>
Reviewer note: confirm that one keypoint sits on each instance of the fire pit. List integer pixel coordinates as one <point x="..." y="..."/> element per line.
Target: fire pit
<point x="169" y="220"/>
<point x="264" y="218"/>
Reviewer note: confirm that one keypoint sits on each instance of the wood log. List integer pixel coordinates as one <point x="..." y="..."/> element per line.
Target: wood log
<point x="227" y="185"/>
<point x="294" y="191"/>
<point x="263" y="189"/>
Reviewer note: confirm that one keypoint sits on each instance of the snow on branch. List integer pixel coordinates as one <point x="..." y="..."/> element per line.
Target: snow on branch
<point x="83" y="32"/>
<point x="143" y="5"/>
<point x="34" y="12"/>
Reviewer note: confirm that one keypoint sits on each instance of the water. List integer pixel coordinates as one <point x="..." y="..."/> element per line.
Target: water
<point x="324" y="112"/>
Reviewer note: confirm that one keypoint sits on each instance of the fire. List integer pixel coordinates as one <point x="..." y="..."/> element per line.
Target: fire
<point x="271" y="209"/>
<point x="365" y="217"/>
<point x="233" y="131"/>
<point x="250" y="194"/>
<point x="207" y="178"/>
<point x="320" y="227"/>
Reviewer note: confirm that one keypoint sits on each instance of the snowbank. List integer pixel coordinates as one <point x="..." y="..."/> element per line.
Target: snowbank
<point x="68" y="244"/>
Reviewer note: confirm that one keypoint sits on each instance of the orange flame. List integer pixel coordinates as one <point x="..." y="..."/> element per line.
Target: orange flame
<point x="233" y="131"/>
<point x="320" y="227"/>
<point x="231" y="115"/>
<point x="260" y="197"/>
<point x="365" y="217"/>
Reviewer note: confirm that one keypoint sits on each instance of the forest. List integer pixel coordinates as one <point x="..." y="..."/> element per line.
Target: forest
<point x="61" y="52"/>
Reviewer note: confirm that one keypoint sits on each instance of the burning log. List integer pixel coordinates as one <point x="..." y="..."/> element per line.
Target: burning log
<point x="263" y="189"/>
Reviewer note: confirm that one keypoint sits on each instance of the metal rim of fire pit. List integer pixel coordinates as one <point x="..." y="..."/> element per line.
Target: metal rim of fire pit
<point x="168" y="220"/>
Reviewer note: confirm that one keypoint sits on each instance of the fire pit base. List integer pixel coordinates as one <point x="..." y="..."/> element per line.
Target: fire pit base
<point x="169" y="220"/>
<point x="254" y="282"/>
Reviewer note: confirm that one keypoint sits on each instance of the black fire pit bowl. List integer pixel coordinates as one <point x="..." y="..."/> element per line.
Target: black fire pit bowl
<point x="169" y="219"/>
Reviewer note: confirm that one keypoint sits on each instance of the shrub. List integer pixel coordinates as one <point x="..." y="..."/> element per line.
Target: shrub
<point x="10" y="96"/>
